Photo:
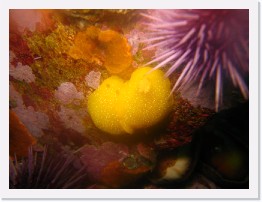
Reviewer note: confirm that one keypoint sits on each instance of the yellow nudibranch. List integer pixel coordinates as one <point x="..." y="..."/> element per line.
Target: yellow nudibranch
<point x="118" y="107"/>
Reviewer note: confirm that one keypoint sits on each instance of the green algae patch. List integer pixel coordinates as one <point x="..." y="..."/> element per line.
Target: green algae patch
<point x="55" y="71"/>
<point x="53" y="65"/>
<point x="51" y="44"/>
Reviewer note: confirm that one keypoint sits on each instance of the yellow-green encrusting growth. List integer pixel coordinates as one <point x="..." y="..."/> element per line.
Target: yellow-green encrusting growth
<point x="119" y="107"/>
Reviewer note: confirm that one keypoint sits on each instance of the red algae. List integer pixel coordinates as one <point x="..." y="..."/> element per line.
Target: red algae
<point x="20" y="138"/>
<point x="184" y="121"/>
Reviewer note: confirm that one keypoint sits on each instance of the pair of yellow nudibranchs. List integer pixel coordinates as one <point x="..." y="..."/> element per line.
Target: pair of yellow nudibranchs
<point x="120" y="107"/>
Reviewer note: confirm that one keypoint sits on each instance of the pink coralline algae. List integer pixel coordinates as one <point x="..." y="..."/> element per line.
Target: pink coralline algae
<point x="22" y="73"/>
<point x="67" y="92"/>
<point x="134" y="38"/>
<point x="72" y="119"/>
<point x="93" y="79"/>
<point x="35" y="121"/>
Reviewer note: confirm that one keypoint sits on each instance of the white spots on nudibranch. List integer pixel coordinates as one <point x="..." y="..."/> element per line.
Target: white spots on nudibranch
<point x="22" y="73"/>
<point x="93" y="79"/>
<point x="72" y="119"/>
<point x="67" y="93"/>
<point x="35" y="121"/>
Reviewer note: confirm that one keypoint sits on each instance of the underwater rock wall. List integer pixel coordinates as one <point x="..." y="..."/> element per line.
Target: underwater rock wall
<point x="58" y="59"/>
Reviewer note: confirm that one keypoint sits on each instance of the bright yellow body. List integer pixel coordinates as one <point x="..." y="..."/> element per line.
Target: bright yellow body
<point x="102" y="105"/>
<point x="119" y="107"/>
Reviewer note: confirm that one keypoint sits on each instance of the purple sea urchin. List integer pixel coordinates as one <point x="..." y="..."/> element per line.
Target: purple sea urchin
<point x="208" y="44"/>
<point x="43" y="170"/>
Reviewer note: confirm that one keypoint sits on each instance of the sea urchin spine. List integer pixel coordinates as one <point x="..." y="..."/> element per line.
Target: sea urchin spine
<point x="209" y="44"/>
<point x="43" y="170"/>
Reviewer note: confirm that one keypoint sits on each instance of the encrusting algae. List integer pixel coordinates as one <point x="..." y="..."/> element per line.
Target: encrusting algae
<point x="52" y="64"/>
<point x="119" y="107"/>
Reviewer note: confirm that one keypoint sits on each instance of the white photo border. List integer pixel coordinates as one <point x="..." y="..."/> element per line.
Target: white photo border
<point x="254" y="164"/>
